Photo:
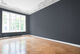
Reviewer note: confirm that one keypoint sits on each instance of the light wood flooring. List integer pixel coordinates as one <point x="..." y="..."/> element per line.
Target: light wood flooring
<point x="41" y="46"/>
<point x="36" y="45"/>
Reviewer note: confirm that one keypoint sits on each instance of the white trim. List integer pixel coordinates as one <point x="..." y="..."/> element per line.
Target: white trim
<point x="76" y="45"/>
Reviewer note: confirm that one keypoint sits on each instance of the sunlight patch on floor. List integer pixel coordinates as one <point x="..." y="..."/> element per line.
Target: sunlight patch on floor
<point x="14" y="46"/>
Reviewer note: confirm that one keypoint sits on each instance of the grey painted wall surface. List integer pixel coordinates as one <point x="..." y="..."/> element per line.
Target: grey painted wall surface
<point x="60" y="21"/>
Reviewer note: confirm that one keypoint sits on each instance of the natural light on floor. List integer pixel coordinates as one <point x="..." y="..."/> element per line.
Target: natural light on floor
<point x="14" y="46"/>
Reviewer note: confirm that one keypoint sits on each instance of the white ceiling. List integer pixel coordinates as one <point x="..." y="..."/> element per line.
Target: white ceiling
<point x="26" y="6"/>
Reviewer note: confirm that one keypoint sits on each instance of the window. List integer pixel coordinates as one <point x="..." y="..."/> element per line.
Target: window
<point x="12" y="22"/>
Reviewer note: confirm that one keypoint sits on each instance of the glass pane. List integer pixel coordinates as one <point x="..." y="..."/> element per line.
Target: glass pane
<point x="12" y="22"/>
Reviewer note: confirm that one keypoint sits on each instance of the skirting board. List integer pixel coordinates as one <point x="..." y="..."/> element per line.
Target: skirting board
<point x="76" y="45"/>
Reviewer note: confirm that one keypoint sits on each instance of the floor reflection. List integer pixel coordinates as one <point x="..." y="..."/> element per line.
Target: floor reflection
<point x="14" y="46"/>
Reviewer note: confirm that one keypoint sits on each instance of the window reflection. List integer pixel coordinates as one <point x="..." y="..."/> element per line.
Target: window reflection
<point x="14" y="47"/>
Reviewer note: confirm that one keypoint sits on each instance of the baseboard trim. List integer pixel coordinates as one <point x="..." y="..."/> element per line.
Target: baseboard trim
<point x="76" y="45"/>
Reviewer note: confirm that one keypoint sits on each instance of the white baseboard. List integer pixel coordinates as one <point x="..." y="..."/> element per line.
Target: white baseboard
<point x="76" y="45"/>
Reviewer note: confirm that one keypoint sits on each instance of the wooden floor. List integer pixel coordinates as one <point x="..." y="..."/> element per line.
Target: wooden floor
<point x="40" y="46"/>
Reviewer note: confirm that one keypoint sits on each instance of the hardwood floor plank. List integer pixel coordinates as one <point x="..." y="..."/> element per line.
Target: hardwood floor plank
<point x="41" y="46"/>
<point x="36" y="45"/>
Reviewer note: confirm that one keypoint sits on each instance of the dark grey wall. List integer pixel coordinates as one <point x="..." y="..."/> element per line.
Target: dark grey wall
<point x="16" y="33"/>
<point x="60" y="21"/>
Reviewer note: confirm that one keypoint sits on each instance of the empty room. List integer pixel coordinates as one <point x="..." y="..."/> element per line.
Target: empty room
<point x="39" y="27"/>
